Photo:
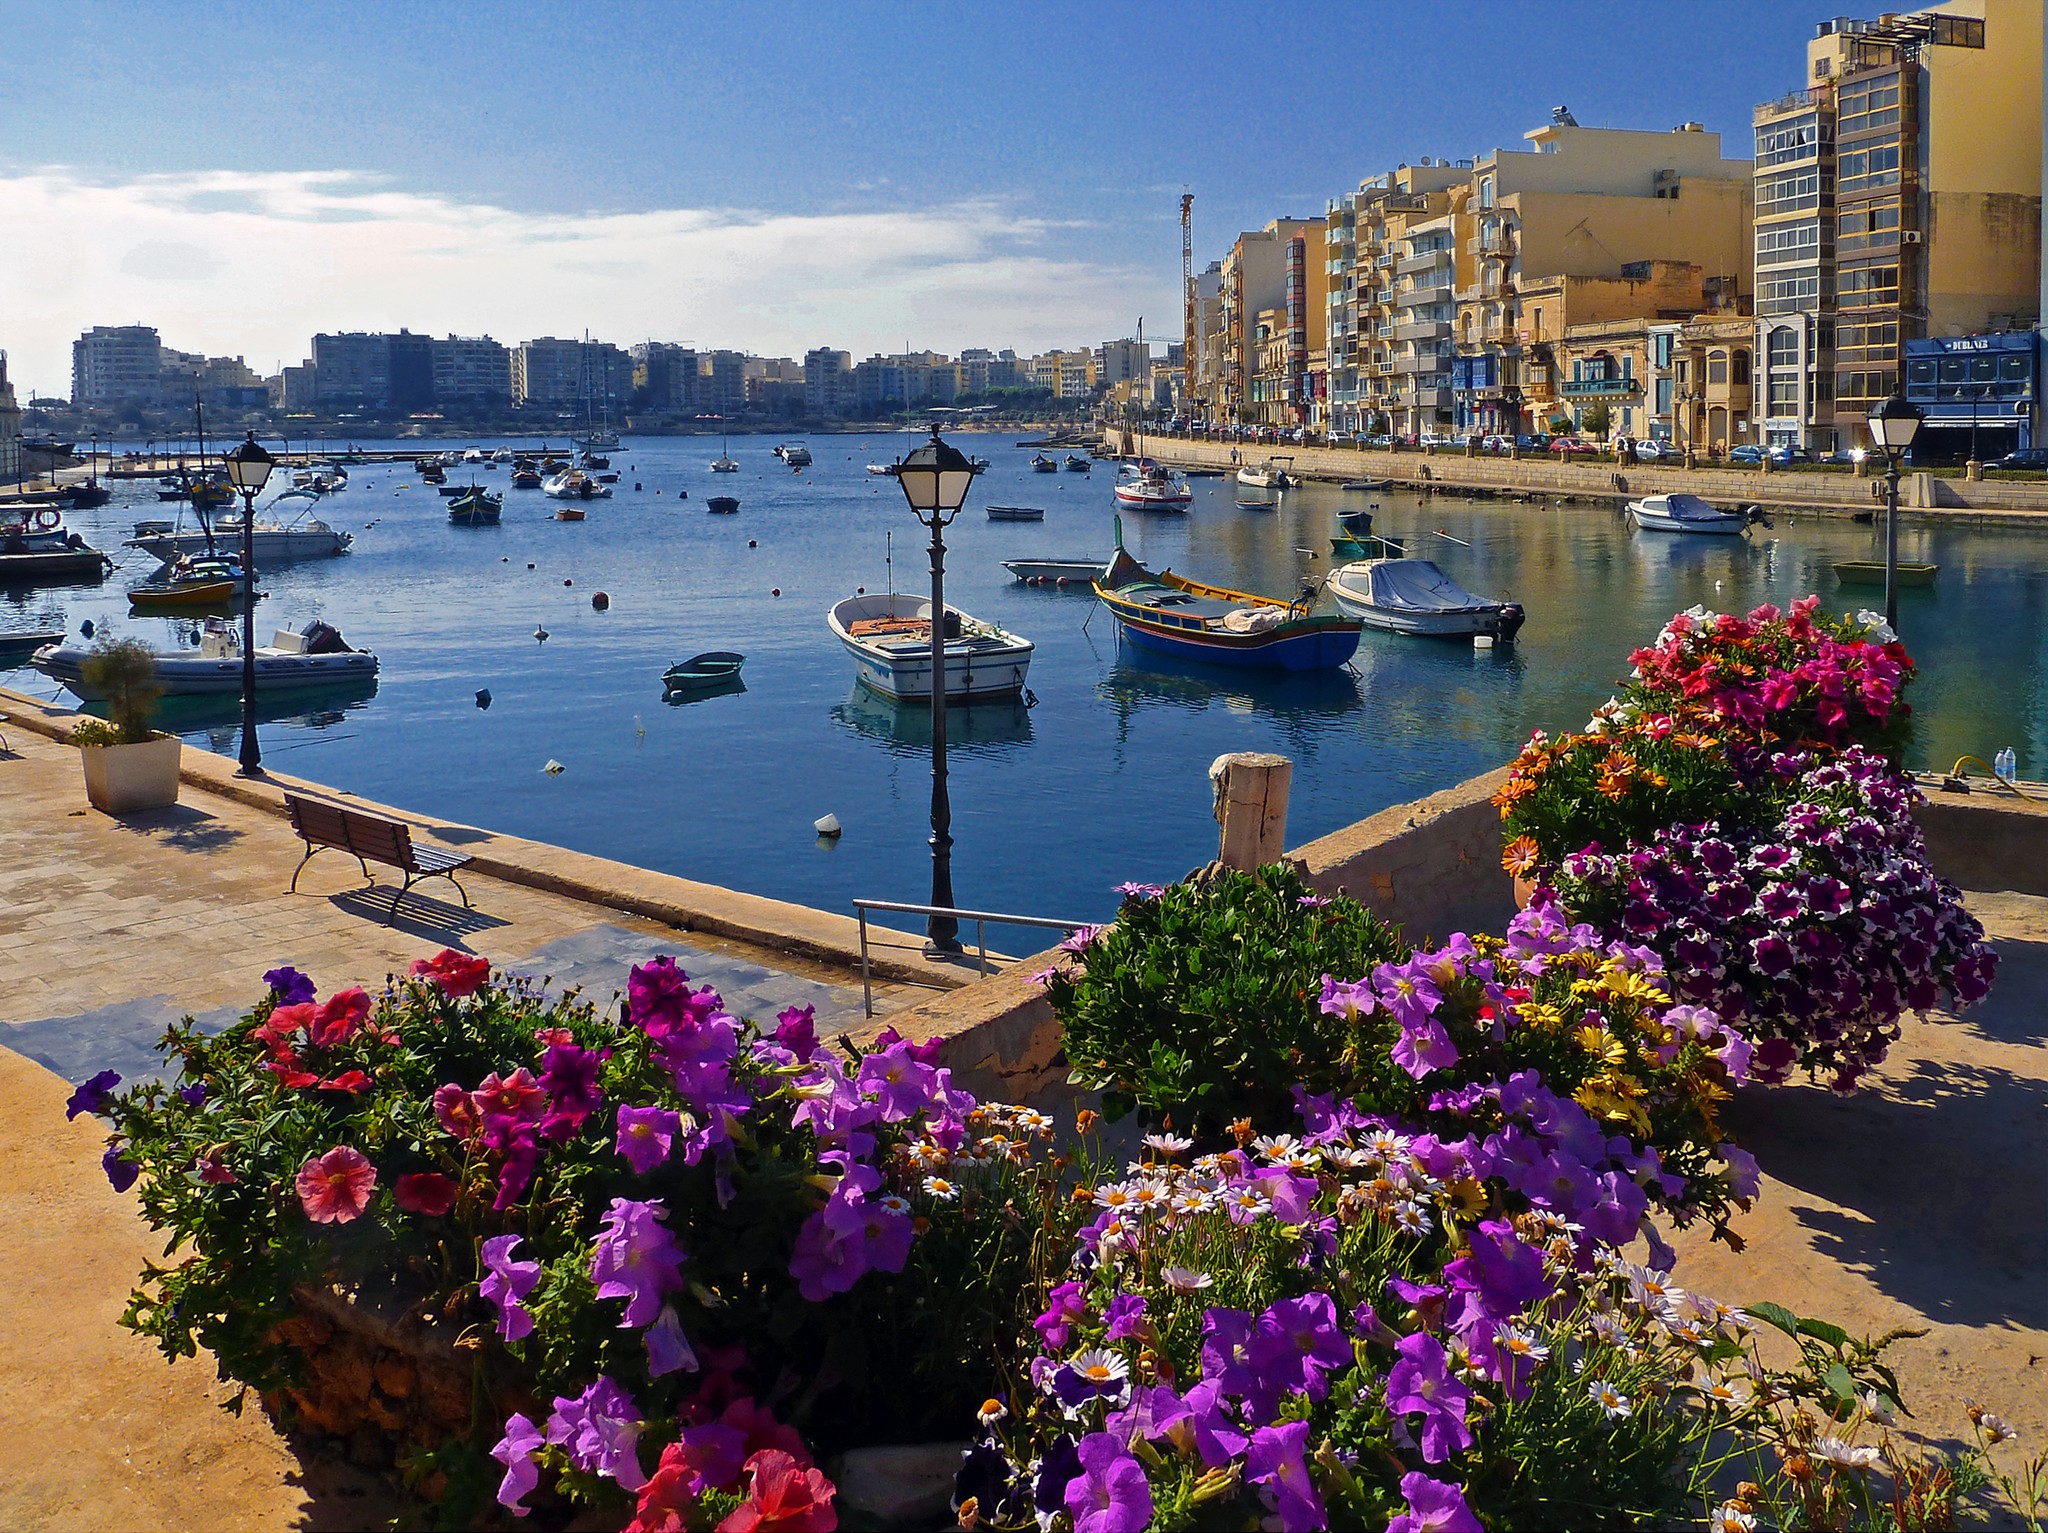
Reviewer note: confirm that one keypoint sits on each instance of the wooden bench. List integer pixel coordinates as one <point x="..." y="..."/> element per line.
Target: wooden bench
<point x="369" y="838"/>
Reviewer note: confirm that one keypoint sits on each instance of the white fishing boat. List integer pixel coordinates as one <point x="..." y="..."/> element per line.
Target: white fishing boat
<point x="1413" y="596"/>
<point x="890" y="639"/>
<point x="881" y="471"/>
<point x="1153" y="489"/>
<point x="574" y="484"/>
<point x="314" y="656"/>
<point x="1685" y="513"/>
<point x="276" y="541"/>
<point x="1081" y="573"/>
<point x="502" y="455"/>
<point x="795" y="454"/>
<point x="1273" y="474"/>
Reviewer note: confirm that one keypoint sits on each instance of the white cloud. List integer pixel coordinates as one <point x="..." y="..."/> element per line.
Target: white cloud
<point x="252" y="264"/>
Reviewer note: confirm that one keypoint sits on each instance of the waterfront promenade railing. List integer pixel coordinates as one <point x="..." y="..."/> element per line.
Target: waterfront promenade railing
<point x="980" y="918"/>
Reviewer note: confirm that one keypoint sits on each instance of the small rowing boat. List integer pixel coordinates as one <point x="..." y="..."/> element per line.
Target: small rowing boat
<point x="1413" y="596"/>
<point x="890" y="639"/>
<point x="713" y="668"/>
<point x="1870" y="572"/>
<point x="1077" y="574"/>
<point x="1016" y="513"/>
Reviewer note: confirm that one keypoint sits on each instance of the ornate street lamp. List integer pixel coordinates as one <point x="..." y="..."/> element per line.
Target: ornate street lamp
<point x="1892" y="427"/>
<point x="935" y="480"/>
<point x="248" y="469"/>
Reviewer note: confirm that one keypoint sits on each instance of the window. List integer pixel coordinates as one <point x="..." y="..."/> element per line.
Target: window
<point x="1860" y="228"/>
<point x="1866" y="169"/>
<point x="1797" y="139"/>
<point x="1717" y="367"/>
<point x="1791" y="191"/>
<point x="1739" y="371"/>
<point x="1660" y="350"/>
<point x="2015" y="369"/>
<point x="1782" y="350"/>
<point x="1787" y="244"/>
<point x="1663" y="396"/>
<point x="1920" y="371"/>
<point x="1867" y="106"/>
<point x="1486" y="191"/>
<point x="1861" y="286"/>
<point x="1787" y="295"/>
<point x="1536" y="321"/>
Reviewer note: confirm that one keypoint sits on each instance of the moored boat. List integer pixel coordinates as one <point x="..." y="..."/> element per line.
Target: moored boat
<point x="721" y="505"/>
<point x="1076" y="464"/>
<point x="476" y="507"/>
<point x="890" y="639"/>
<point x="1685" y="514"/>
<point x="1273" y="474"/>
<point x="1870" y="572"/>
<point x="1413" y="596"/>
<point x="1016" y="513"/>
<point x="1041" y="464"/>
<point x="1152" y="488"/>
<point x="1076" y="574"/>
<point x="275" y="542"/>
<point x="575" y="484"/>
<point x="526" y="479"/>
<point x="795" y="454"/>
<point x="1214" y="625"/>
<point x="713" y="668"/>
<point x="316" y="655"/>
<point x="191" y="582"/>
<point x="569" y="514"/>
<point x="881" y="471"/>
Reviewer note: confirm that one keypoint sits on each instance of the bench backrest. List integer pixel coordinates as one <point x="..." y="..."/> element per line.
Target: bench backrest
<point x="368" y="836"/>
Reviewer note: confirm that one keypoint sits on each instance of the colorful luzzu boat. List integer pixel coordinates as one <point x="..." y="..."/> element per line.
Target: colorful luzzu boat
<point x="1212" y="625"/>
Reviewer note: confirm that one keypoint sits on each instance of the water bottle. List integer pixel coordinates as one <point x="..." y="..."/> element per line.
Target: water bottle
<point x="2005" y="766"/>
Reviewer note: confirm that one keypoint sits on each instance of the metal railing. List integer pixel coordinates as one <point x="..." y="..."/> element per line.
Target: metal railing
<point x="980" y="918"/>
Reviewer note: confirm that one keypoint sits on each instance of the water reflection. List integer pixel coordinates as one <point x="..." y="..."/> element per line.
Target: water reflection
<point x="216" y="716"/>
<point x="730" y="686"/>
<point x="905" y="729"/>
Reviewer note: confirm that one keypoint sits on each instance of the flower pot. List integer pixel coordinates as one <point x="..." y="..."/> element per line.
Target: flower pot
<point x="1525" y="891"/>
<point x="120" y="779"/>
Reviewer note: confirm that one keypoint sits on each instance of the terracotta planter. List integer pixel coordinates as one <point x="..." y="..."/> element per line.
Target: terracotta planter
<point x="1525" y="891"/>
<point x="120" y="779"/>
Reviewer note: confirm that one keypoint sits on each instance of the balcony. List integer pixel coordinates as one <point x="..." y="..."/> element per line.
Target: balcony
<point x="1422" y="330"/>
<point x="1601" y="388"/>
<point x="1428" y="290"/>
<point x="1422" y="260"/>
<point x="1429" y="363"/>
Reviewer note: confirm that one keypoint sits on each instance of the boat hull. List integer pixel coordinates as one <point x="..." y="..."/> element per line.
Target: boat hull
<point x="1320" y="644"/>
<point x="1137" y="500"/>
<point x="58" y="566"/>
<point x="979" y="668"/>
<point x="1070" y="572"/>
<point x="191" y="675"/>
<point x="278" y="546"/>
<point x="1870" y="572"/>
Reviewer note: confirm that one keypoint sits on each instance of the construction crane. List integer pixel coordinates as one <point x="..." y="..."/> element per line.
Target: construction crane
<point x="1187" y="288"/>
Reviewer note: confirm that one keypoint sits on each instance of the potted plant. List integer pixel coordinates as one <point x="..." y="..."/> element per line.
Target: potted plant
<point x="128" y="764"/>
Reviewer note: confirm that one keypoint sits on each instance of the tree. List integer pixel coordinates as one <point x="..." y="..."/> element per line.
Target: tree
<point x="1597" y="418"/>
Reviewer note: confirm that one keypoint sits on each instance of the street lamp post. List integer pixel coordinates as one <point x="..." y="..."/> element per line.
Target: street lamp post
<point x="935" y="479"/>
<point x="1892" y="427"/>
<point x="248" y="471"/>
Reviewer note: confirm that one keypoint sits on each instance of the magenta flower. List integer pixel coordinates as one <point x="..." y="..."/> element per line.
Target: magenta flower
<point x="1068" y="1308"/>
<point x="1433" y="1507"/>
<point x="1296" y="1341"/>
<point x="1420" y="1384"/>
<point x="1408" y="991"/>
<point x="94" y="1095"/>
<point x="1126" y="1313"/>
<point x="600" y="1428"/>
<point x="646" y="1135"/>
<point x="1424" y="1047"/>
<point x="1141" y="891"/>
<point x="660" y="1001"/>
<point x="899" y="1084"/>
<point x="1349" y="1001"/>
<point x="569" y="1077"/>
<point x="824" y="1262"/>
<point x="1110" y="1494"/>
<point x="1079" y="940"/>
<point x="1215" y="1429"/>
<point x="796" y="1030"/>
<point x="1277" y="1459"/>
<point x="507" y="1283"/>
<point x="516" y="1450"/>
<point x="636" y="1259"/>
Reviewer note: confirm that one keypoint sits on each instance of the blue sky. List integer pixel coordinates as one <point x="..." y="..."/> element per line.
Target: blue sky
<point x="777" y="177"/>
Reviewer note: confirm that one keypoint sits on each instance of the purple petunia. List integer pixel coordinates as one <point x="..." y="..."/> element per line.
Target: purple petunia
<point x="796" y="1030"/>
<point x="193" y="1095"/>
<point x="516" y="1450"/>
<point x="600" y="1428"/>
<point x="93" y="1095"/>
<point x="1296" y="1342"/>
<point x="1110" y="1494"/>
<point x="636" y="1258"/>
<point x="1067" y="1308"/>
<point x="289" y="986"/>
<point x="507" y="1283"/>
<point x="1433" y="1507"/>
<point x="121" y="1171"/>
<point x="1420" y="1384"/>
<point x="646" y="1135"/>
<point x="668" y="1349"/>
<point x="1277" y="1460"/>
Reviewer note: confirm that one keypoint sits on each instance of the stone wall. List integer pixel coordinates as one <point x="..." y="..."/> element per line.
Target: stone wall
<point x="1539" y="474"/>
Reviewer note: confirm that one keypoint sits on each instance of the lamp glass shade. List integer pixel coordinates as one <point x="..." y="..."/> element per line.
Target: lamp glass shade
<point x="1894" y="423"/>
<point x="935" y="477"/>
<point x="249" y="466"/>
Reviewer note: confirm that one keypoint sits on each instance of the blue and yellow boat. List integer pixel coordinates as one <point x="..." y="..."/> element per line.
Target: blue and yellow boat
<point x="1172" y="615"/>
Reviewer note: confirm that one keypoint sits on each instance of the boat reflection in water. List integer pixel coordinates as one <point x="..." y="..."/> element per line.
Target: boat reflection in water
<point x="218" y="715"/>
<point x="986" y="729"/>
<point x="1301" y="704"/>
<point x="729" y="686"/>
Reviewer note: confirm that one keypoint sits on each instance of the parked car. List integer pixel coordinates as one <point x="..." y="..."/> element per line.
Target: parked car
<point x="1748" y="452"/>
<point x="2032" y="458"/>
<point x="1338" y="438"/>
<point x="1849" y="455"/>
<point x="1658" y="452"/>
<point x="1535" y="441"/>
<point x="1433" y="439"/>
<point x="1572" y="447"/>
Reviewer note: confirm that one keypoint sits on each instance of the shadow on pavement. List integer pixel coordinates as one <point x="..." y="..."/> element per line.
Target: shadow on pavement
<point x="418" y="914"/>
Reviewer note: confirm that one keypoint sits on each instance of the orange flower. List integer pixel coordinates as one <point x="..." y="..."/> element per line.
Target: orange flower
<point x="1519" y="856"/>
<point x="1613" y="784"/>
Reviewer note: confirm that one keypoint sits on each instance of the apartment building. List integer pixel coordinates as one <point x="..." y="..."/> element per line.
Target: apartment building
<point x="351" y="370"/>
<point x="1588" y="352"/>
<point x="828" y="379"/>
<point x="117" y="364"/>
<point x="1203" y="371"/>
<point x="1254" y="277"/>
<point x="470" y="373"/>
<point x="1899" y="199"/>
<point x="553" y="373"/>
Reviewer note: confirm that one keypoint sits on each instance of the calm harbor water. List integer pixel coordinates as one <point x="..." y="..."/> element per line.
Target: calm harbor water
<point x="1105" y="780"/>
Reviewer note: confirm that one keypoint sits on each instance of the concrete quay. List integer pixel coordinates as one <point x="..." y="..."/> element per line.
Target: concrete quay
<point x="1982" y="502"/>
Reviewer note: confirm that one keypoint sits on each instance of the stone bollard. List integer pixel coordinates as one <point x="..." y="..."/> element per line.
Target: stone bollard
<point x="1251" y="806"/>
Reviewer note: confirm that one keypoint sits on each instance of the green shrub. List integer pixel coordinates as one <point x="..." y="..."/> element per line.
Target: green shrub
<point x="125" y="670"/>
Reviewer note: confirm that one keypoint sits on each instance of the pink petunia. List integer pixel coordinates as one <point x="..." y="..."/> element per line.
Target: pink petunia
<point x="335" y="1188"/>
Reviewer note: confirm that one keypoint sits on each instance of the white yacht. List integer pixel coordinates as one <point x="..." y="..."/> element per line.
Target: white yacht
<point x="1685" y="513"/>
<point x="1413" y="596"/>
<point x="314" y="656"/>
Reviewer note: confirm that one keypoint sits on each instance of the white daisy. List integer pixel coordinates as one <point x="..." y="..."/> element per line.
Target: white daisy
<point x="1610" y="1399"/>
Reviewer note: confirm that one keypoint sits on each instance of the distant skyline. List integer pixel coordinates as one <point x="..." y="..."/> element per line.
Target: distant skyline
<point x="852" y="175"/>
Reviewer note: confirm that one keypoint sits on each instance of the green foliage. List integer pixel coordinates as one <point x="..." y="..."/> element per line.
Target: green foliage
<point x="125" y="670"/>
<point x="1204" y="1001"/>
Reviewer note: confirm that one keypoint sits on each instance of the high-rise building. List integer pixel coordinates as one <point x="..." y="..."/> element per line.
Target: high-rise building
<point x="1899" y="199"/>
<point x="471" y="373"/>
<point x="117" y="364"/>
<point x="1118" y="361"/>
<point x="10" y="427"/>
<point x="828" y="375"/>
<point x="548" y="373"/>
<point x="1254" y="277"/>
<point x="722" y="382"/>
<point x="352" y="371"/>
